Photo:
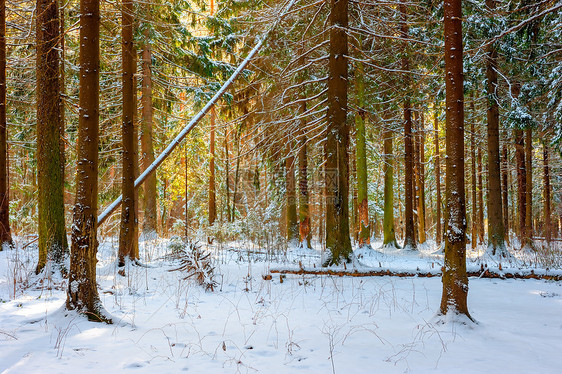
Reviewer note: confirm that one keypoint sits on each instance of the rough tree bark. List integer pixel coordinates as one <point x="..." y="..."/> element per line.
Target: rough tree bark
<point x="212" y="184"/>
<point x="338" y="242"/>
<point x="438" y="230"/>
<point x="227" y="174"/>
<point x="496" y="232"/>
<point x="480" y="197"/>
<point x="420" y="154"/>
<point x="409" y="231"/>
<point x="521" y="182"/>
<point x="474" y="236"/>
<point x="50" y="170"/>
<point x="305" y="232"/>
<point x="5" y="232"/>
<point x="237" y="168"/>
<point x="82" y="294"/>
<point x="361" y="156"/>
<point x="528" y="239"/>
<point x="291" y="195"/>
<point x="455" y="280"/>
<point x="149" y="223"/>
<point x="505" y="202"/>
<point x="546" y="195"/>
<point x="128" y="241"/>
<point x="389" y="234"/>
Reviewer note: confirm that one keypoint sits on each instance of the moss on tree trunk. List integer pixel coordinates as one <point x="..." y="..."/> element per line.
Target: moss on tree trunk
<point x="50" y="159"/>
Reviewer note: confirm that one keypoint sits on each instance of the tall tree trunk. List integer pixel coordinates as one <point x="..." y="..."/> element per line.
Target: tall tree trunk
<point x="321" y="210"/>
<point x="305" y="231"/>
<point x="480" y="173"/>
<point x="149" y="223"/>
<point x="505" y="202"/>
<point x="546" y="195"/>
<point x="354" y="218"/>
<point x="236" y="171"/>
<point x="128" y="241"/>
<point x="82" y="294"/>
<point x="5" y="232"/>
<point x="496" y="232"/>
<point x="474" y="236"/>
<point x="521" y="183"/>
<point x="389" y="235"/>
<point x="421" y="178"/>
<point x="338" y="242"/>
<point x="409" y="231"/>
<point x="227" y="175"/>
<point x="186" y="192"/>
<point x="50" y="169"/>
<point x="62" y="80"/>
<point x="438" y="230"/>
<point x="528" y="240"/>
<point x="212" y="185"/>
<point x="416" y="163"/>
<point x="513" y="202"/>
<point x="455" y="280"/>
<point x="362" y="197"/>
<point x="291" y="194"/>
<point x="136" y="164"/>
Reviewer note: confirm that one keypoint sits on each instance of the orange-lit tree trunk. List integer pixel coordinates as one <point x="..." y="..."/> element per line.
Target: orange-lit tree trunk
<point x="409" y="232"/>
<point x="237" y="168"/>
<point x="438" y="230"/>
<point x="136" y="164"/>
<point x="128" y="241"/>
<point x="291" y="195"/>
<point x="5" y="232"/>
<point x="149" y="223"/>
<point x="416" y="171"/>
<point x="455" y="280"/>
<point x="546" y="195"/>
<point x="421" y="177"/>
<point x="338" y="243"/>
<point x="505" y="202"/>
<point x="474" y="231"/>
<point x="82" y="294"/>
<point x="227" y="174"/>
<point x="480" y="198"/>
<point x="521" y="182"/>
<point x="212" y="185"/>
<point x="528" y="239"/>
<point x="304" y="212"/>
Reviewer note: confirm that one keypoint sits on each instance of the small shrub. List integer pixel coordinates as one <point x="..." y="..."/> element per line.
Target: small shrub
<point x="195" y="263"/>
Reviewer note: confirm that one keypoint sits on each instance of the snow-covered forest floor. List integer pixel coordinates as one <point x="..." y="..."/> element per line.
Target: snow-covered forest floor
<point x="301" y="323"/>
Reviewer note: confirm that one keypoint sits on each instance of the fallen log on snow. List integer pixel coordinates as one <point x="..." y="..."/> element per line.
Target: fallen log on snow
<point x="486" y="273"/>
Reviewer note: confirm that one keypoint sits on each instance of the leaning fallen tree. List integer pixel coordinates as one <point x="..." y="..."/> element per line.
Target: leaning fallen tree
<point x="197" y="118"/>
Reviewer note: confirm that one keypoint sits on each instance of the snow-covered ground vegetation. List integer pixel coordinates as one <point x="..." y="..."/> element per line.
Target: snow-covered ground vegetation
<point x="259" y="321"/>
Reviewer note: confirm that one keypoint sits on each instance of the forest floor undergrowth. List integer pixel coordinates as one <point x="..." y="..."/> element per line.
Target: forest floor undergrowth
<point x="296" y="323"/>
